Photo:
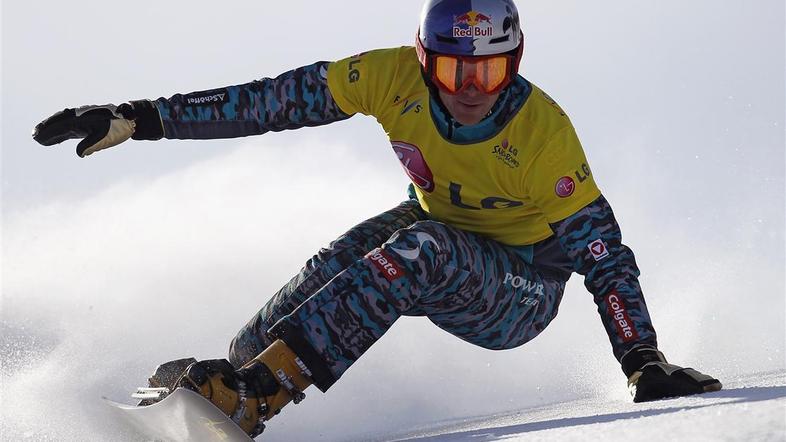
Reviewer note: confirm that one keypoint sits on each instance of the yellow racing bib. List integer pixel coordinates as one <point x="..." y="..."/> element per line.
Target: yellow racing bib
<point x="509" y="187"/>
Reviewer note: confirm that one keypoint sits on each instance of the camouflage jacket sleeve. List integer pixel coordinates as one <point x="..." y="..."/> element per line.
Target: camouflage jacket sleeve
<point x="292" y="100"/>
<point x="593" y="241"/>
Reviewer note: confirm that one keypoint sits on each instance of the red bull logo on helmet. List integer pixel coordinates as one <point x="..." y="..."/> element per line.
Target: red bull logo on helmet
<point x="469" y="25"/>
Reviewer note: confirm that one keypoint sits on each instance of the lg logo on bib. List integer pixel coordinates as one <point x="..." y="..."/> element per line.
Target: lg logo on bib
<point x="490" y="202"/>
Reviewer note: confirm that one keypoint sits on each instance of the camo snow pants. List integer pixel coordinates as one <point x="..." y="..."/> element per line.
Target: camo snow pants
<point x="401" y="263"/>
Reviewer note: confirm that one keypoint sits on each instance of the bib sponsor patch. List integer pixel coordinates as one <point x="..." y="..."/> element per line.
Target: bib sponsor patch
<point x="565" y="187"/>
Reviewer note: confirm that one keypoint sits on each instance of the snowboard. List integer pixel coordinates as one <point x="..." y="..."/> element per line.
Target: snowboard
<point x="182" y="415"/>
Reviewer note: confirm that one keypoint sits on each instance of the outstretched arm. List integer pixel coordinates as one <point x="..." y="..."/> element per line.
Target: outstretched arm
<point x="292" y="100"/>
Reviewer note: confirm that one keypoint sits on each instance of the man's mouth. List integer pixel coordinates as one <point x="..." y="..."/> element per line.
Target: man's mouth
<point x="463" y="103"/>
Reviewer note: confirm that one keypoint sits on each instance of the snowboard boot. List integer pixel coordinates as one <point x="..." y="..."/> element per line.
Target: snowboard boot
<point x="254" y="393"/>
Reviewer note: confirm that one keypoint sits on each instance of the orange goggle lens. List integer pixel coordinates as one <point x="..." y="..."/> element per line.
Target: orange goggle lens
<point x="454" y="74"/>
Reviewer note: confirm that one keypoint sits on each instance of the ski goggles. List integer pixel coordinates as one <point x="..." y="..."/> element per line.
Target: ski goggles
<point x="454" y="74"/>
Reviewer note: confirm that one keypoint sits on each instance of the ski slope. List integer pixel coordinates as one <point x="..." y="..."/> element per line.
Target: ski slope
<point x="750" y="408"/>
<point x="92" y="303"/>
<point x="153" y="251"/>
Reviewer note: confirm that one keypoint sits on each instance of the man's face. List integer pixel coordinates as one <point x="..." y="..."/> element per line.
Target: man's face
<point x="469" y="106"/>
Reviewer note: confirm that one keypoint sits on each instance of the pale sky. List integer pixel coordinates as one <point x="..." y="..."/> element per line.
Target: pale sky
<point x="689" y="77"/>
<point x="679" y="106"/>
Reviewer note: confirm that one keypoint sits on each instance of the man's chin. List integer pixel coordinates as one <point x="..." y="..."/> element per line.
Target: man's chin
<point x="468" y="120"/>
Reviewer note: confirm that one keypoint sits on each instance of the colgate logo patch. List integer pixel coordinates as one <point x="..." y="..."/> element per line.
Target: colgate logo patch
<point x="389" y="269"/>
<point x="619" y="313"/>
<point x="415" y="165"/>
<point x="565" y="187"/>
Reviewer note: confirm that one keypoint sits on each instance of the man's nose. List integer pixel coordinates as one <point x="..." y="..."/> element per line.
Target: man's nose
<point x="471" y="91"/>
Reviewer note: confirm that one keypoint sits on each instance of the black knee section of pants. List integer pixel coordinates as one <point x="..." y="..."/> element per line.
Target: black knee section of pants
<point x="293" y="337"/>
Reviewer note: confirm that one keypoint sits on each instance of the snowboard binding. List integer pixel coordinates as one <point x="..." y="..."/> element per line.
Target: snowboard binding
<point x="162" y="382"/>
<point x="250" y="395"/>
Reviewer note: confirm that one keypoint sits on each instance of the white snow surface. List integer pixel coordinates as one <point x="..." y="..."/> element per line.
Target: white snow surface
<point x="750" y="408"/>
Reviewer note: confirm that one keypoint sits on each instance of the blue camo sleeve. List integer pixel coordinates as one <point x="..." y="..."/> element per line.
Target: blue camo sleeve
<point x="593" y="241"/>
<point x="294" y="99"/>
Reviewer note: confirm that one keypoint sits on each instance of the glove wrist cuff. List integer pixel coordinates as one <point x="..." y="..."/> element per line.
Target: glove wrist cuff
<point x="146" y="117"/>
<point x="638" y="356"/>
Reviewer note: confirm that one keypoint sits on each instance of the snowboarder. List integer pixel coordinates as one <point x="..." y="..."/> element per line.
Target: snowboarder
<point x="502" y="208"/>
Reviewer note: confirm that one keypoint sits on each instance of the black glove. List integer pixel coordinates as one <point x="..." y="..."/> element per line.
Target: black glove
<point x="101" y="126"/>
<point x="650" y="377"/>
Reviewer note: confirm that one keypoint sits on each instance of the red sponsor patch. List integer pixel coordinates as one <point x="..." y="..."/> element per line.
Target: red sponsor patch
<point x="415" y="165"/>
<point x="598" y="249"/>
<point x="619" y="315"/>
<point x="382" y="261"/>
<point x="565" y="187"/>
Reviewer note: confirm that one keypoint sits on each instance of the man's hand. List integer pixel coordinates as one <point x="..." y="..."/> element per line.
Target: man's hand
<point x="100" y="126"/>
<point x="650" y="377"/>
